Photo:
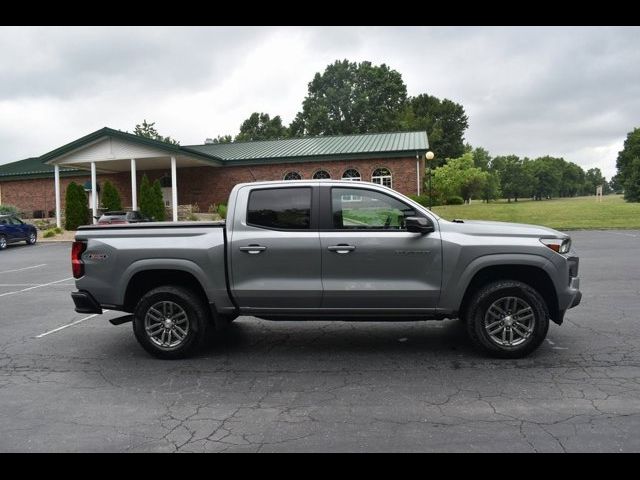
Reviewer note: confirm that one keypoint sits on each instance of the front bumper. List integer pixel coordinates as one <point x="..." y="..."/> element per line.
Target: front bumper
<point x="85" y="303"/>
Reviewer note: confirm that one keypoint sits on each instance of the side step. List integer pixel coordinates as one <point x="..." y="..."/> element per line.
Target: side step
<point x="121" y="320"/>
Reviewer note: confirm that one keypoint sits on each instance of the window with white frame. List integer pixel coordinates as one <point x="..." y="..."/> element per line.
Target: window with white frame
<point x="292" y="176"/>
<point x="351" y="175"/>
<point x="382" y="176"/>
<point x="321" y="174"/>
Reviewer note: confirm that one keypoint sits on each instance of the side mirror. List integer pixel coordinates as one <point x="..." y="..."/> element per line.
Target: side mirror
<point x="418" y="225"/>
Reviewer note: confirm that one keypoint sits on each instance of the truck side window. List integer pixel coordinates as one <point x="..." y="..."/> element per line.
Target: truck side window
<point x="371" y="210"/>
<point x="280" y="208"/>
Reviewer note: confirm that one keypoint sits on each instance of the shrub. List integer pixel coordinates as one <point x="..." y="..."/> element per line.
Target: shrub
<point x="192" y="217"/>
<point x="58" y="230"/>
<point x="157" y="201"/>
<point x="76" y="209"/>
<point x="222" y="210"/>
<point x="8" y="209"/>
<point x="110" y="197"/>
<point x="424" y="200"/>
<point x="212" y="208"/>
<point x="195" y="208"/>
<point x="455" y="200"/>
<point x="49" y="233"/>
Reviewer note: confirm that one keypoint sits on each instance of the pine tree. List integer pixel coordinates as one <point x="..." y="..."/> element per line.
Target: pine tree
<point x="158" y="201"/>
<point x="145" y="201"/>
<point x="110" y="197"/>
<point x="76" y="210"/>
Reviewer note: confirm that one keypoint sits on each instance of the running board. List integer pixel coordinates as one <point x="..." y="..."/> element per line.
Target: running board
<point x="121" y="320"/>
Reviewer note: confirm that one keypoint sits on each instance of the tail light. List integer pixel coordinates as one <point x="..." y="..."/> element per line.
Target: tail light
<point x="77" y="265"/>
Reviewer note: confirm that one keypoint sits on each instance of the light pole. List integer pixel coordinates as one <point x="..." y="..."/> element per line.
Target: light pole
<point x="429" y="156"/>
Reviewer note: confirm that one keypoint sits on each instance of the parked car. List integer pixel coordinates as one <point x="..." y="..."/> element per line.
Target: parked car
<point x="110" y="218"/>
<point x="13" y="230"/>
<point x="332" y="250"/>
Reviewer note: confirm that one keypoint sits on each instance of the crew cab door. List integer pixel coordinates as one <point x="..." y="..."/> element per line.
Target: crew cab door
<point x="369" y="260"/>
<point x="275" y="249"/>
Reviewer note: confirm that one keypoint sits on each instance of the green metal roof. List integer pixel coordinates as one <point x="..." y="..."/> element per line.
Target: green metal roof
<point x="343" y="146"/>
<point x="303" y="149"/>
<point x="34" y="168"/>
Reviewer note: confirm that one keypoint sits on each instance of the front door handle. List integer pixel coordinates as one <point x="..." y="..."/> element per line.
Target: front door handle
<point x="341" y="248"/>
<point x="253" y="249"/>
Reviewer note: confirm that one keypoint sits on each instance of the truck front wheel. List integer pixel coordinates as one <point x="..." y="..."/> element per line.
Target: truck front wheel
<point x="171" y="322"/>
<point x="507" y="319"/>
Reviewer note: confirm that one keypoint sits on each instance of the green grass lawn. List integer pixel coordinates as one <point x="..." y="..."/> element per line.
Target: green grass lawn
<point x="561" y="214"/>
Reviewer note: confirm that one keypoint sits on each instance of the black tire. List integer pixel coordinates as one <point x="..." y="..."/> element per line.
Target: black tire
<point x="33" y="238"/>
<point x="198" y="318"/>
<point x="529" y="325"/>
<point x="3" y="242"/>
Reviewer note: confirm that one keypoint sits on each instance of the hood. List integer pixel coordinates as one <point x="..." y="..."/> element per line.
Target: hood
<point x="506" y="229"/>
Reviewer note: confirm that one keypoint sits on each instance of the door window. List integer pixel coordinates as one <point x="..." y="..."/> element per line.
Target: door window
<point x="280" y="208"/>
<point x="372" y="211"/>
<point x="15" y="221"/>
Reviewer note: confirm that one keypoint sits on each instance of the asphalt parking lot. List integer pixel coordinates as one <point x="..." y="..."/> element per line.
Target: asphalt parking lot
<point x="73" y="382"/>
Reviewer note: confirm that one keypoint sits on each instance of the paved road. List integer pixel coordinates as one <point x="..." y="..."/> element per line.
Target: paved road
<point x="319" y="386"/>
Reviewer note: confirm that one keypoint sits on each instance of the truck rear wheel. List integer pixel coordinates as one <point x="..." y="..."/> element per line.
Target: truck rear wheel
<point x="507" y="319"/>
<point x="171" y="322"/>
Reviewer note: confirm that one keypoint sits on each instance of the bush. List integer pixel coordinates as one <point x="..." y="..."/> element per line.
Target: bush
<point x="222" y="210"/>
<point x="192" y="217"/>
<point x="110" y="197"/>
<point x="49" y="233"/>
<point x="76" y="209"/>
<point x="424" y="200"/>
<point x="58" y="230"/>
<point x="454" y="200"/>
<point x="212" y="208"/>
<point x="8" y="209"/>
<point x="151" y="202"/>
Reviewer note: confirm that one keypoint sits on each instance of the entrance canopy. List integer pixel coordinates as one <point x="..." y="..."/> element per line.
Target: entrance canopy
<point x="112" y="151"/>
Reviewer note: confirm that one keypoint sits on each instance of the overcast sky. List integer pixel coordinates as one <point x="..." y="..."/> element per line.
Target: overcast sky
<point x="563" y="91"/>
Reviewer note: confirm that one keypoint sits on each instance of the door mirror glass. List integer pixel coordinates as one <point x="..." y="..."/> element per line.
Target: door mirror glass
<point x="419" y="225"/>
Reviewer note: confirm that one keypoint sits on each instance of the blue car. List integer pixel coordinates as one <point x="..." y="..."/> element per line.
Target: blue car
<point x="13" y="230"/>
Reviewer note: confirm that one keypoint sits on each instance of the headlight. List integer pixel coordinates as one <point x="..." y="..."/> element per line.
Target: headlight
<point x="559" y="245"/>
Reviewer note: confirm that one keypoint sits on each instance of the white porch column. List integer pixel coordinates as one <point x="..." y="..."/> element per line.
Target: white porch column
<point x="56" y="176"/>
<point x="94" y="193"/>
<point x="174" y="189"/>
<point x="134" y="186"/>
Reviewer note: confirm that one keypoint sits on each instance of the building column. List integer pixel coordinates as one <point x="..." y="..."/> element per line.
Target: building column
<point x="56" y="177"/>
<point x="134" y="186"/>
<point x="418" y="174"/>
<point x="174" y="189"/>
<point x="94" y="193"/>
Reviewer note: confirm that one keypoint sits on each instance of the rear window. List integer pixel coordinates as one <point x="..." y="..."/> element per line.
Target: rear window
<point x="280" y="208"/>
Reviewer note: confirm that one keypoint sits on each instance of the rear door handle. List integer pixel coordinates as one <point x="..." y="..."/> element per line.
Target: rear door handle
<point x="341" y="248"/>
<point x="253" y="249"/>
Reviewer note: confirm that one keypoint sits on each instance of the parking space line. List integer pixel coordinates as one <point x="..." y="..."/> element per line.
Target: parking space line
<point x="69" y="325"/>
<point x="25" y="268"/>
<point x="37" y="286"/>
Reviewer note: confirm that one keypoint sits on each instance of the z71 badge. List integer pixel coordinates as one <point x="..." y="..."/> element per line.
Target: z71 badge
<point x="97" y="256"/>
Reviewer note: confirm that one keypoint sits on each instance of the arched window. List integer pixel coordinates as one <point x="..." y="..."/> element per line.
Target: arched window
<point x="321" y="174"/>
<point x="382" y="176"/>
<point x="292" y="176"/>
<point x="352" y="175"/>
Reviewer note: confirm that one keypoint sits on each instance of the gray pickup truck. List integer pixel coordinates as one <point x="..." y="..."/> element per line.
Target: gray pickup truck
<point x="330" y="250"/>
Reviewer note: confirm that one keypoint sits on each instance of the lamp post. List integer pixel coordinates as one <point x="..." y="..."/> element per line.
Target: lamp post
<point x="429" y="156"/>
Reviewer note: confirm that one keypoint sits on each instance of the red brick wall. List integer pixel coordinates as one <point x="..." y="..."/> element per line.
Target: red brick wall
<point x="208" y="185"/>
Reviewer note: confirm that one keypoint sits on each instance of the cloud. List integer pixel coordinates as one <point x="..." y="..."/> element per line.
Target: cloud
<point x="567" y="91"/>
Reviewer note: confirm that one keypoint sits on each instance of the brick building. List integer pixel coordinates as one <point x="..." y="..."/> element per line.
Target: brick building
<point x="205" y="174"/>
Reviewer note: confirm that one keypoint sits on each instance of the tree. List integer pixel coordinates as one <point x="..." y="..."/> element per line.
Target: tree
<point x="547" y="172"/>
<point x="157" y="202"/>
<point x="481" y="158"/>
<point x="632" y="181"/>
<point x="148" y="130"/>
<point x="491" y="189"/>
<point x="516" y="179"/>
<point x="76" y="210"/>
<point x="616" y="184"/>
<point x="572" y="179"/>
<point x="145" y="201"/>
<point x="445" y="122"/>
<point x="625" y="164"/>
<point x="259" y="126"/>
<point x="110" y="197"/>
<point x="592" y="179"/>
<point x="351" y="97"/>
<point x="223" y="139"/>
<point x="460" y="178"/>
